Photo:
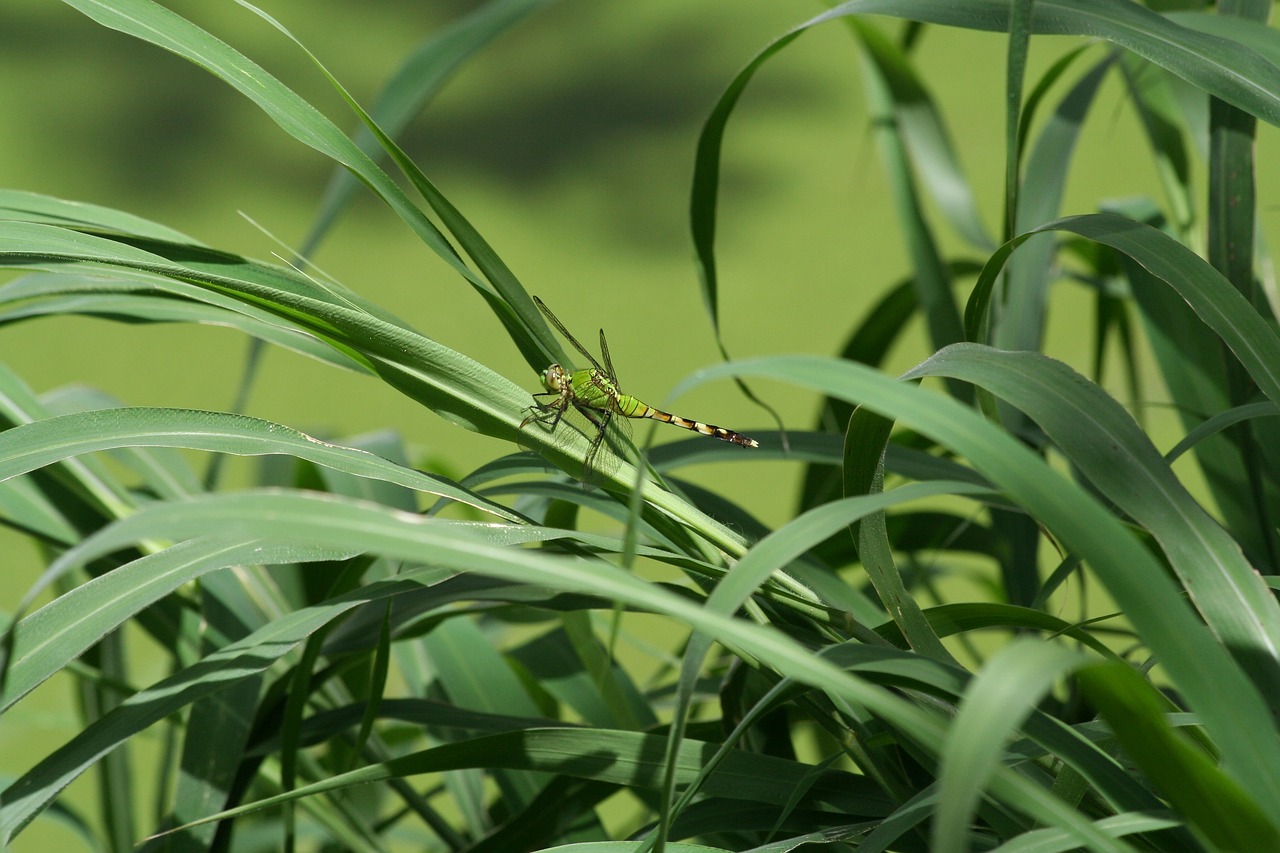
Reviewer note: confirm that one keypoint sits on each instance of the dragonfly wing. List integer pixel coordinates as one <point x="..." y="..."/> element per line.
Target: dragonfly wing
<point x="608" y="361"/>
<point x="555" y="321"/>
<point x="611" y="444"/>
<point x="592" y="473"/>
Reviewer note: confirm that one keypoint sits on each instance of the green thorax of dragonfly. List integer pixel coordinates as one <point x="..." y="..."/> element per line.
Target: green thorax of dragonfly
<point x="593" y="388"/>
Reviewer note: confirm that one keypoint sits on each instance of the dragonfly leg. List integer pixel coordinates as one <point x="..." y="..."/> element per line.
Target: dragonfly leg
<point x="601" y="422"/>
<point x="547" y="414"/>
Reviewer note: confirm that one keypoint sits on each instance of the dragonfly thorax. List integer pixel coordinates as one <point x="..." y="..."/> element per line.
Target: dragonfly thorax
<point x="555" y="379"/>
<point x="593" y="397"/>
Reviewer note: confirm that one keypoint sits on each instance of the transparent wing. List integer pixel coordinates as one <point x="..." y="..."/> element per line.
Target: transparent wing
<point x="608" y="362"/>
<point x="607" y="448"/>
<point x="609" y="434"/>
<point x="555" y="321"/>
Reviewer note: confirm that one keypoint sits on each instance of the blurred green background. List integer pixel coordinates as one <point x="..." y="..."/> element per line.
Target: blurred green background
<point x="569" y="144"/>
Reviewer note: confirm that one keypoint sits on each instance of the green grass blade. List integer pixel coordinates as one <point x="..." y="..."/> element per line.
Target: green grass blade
<point x="35" y="445"/>
<point x="101" y="490"/>
<point x="450" y="384"/>
<point x="994" y="705"/>
<point x="413" y="85"/>
<point x="1234" y="713"/>
<point x="1015" y="75"/>
<point x="473" y="675"/>
<point x="1219" y="422"/>
<point x="25" y="508"/>
<point x="218" y="728"/>
<point x="1212" y="297"/>
<point x="770" y="556"/>
<point x="51" y="295"/>
<point x="160" y="470"/>
<point x="1227" y="69"/>
<point x="1157" y="108"/>
<point x="27" y="206"/>
<point x="706" y="178"/>
<point x="1232" y="212"/>
<point x="932" y="153"/>
<point x="1223" y="810"/>
<point x="153" y="23"/>
<point x="508" y="299"/>
<point x="27" y="796"/>
<point x="46" y="641"/>
<point x="948" y="620"/>
<point x="1191" y="365"/>
<point x="1039" y="198"/>
<point x="892" y="88"/>
<point x="320" y="521"/>
<point x="1104" y="443"/>
<point x="876" y="555"/>
<point x="627" y="758"/>
<point x="1057" y="841"/>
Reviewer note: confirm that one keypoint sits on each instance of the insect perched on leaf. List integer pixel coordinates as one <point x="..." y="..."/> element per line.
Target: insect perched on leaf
<point x="593" y="392"/>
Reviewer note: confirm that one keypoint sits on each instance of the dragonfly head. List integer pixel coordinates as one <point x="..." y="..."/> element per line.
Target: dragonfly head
<point x="555" y="379"/>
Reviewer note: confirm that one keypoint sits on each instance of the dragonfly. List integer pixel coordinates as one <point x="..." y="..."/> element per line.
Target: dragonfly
<point x="594" y="393"/>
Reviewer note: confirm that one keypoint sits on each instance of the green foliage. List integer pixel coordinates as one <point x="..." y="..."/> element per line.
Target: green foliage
<point x="360" y="654"/>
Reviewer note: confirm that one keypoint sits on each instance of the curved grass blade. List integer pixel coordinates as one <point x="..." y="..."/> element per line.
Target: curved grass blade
<point x="1219" y="422"/>
<point x="90" y="480"/>
<point x="26" y="206"/>
<point x="27" y="796"/>
<point x="327" y="521"/>
<point x="131" y="300"/>
<point x="1228" y="69"/>
<point x="1211" y="296"/>
<point x="891" y="86"/>
<point x="1233" y="711"/>
<point x="34" y="445"/>
<point x="450" y="384"/>
<point x="507" y="299"/>
<point x="47" y="641"/>
<point x="995" y="703"/>
<point x="153" y="23"/>
<point x="1083" y="420"/>
<point x="618" y="757"/>
<point x="415" y="84"/>
<point x="764" y="559"/>
<point x="1215" y="803"/>
<point x="1039" y="199"/>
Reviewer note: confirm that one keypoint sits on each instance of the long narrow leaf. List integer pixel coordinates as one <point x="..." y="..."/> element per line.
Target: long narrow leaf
<point x="1242" y="726"/>
<point x="35" y="445"/>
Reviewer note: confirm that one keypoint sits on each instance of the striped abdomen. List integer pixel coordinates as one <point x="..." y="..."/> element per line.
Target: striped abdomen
<point x="697" y="426"/>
